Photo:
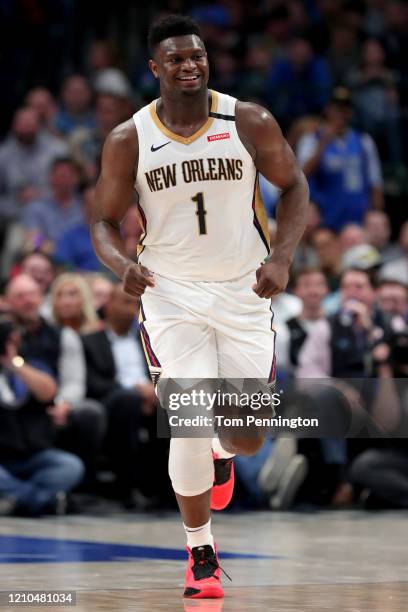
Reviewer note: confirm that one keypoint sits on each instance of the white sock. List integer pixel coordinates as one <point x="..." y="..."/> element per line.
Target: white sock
<point x="199" y="536"/>
<point x="221" y="452"/>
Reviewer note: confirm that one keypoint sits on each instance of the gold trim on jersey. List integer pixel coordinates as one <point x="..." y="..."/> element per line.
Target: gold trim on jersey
<point x="189" y="139"/>
<point x="260" y="212"/>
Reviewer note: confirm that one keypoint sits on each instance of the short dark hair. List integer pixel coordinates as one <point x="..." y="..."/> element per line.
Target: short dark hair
<point x="353" y="269"/>
<point x="306" y="271"/>
<point x="62" y="160"/>
<point x="167" y="27"/>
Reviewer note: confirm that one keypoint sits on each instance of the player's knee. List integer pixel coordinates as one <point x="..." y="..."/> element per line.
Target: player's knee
<point x="243" y="445"/>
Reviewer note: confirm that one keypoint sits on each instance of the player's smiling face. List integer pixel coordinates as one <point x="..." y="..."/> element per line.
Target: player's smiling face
<point x="181" y="64"/>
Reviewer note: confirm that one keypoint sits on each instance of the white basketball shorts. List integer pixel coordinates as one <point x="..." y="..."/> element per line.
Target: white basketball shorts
<point x="207" y="329"/>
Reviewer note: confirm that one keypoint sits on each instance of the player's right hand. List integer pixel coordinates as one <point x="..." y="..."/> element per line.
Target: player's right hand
<point x="136" y="278"/>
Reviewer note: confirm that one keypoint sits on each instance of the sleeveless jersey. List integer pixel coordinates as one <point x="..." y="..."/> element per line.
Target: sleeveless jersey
<point x="199" y="198"/>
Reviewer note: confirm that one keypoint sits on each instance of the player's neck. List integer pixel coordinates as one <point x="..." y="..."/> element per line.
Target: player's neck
<point x="183" y="111"/>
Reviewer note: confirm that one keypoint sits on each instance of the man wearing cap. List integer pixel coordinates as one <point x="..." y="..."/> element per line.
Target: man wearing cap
<point x="342" y="166"/>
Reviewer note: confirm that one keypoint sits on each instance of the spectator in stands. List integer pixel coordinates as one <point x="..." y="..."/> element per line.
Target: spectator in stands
<point x="42" y="101"/>
<point x="340" y="348"/>
<point x="72" y="304"/>
<point x="25" y="160"/>
<point x="298" y="83"/>
<point x="34" y="476"/>
<point x="42" y="269"/>
<point x="257" y="62"/>
<point x="86" y="143"/>
<point x="377" y="231"/>
<point x="397" y="269"/>
<point x="305" y="255"/>
<point x="310" y="285"/>
<point x="101" y="288"/>
<point x="383" y="474"/>
<point x="102" y="54"/>
<point x="350" y="236"/>
<point x="327" y="247"/>
<point x="392" y="298"/>
<point x="342" y="166"/>
<point x="59" y="352"/>
<point x="74" y="248"/>
<point x="375" y="98"/>
<point x="343" y="53"/>
<point x="46" y="219"/>
<point x="76" y="106"/>
<point x="396" y="40"/>
<point x="118" y="376"/>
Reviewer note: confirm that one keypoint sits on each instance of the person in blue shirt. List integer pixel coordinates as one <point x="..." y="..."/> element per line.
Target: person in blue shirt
<point x="342" y="166"/>
<point x="76" y="106"/>
<point x="298" y="83"/>
<point x="74" y="247"/>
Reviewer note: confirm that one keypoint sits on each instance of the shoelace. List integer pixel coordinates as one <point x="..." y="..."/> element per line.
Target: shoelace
<point x="200" y="561"/>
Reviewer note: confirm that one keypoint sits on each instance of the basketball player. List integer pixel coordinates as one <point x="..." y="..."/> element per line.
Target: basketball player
<point x="204" y="273"/>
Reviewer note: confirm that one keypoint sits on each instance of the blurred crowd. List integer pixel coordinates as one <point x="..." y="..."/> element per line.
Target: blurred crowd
<point x="77" y="408"/>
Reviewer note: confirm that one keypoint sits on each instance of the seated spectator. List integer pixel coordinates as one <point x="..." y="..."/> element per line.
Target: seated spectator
<point x="118" y="376"/>
<point x="361" y="257"/>
<point x="72" y="303"/>
<point x="397" y="269"/>
<point x="102" y="54"/>
<point x="80" y="421"/>
<point x="392" y="298"/>
<point x="25" y="160"/>
<point x="342" y="166"/>
<point x="340" y="348"/>
<point x="46" y="219"/>
<point x="310" y="286"/>
<point x="76" y="106"/>
<point x="74" y="248"/>
<point x="273" y="476"/>
<point x="383" y="475"/>
<point x="42" y="269"/>
<point x="86" y="143"/>
<point x="34" y="476"/>
<point x="305" y="255"/>
<point x="327" y="248"/>
<point x="377" y="231"/>
<point x="42" y="101"/>
<point x="101" y="288"/>
<point x="350" y="236"/>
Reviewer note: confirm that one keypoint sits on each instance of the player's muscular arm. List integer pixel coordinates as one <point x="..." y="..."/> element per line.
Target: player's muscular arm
<point x="274" y="159"/>
<point x="114" y="196"/>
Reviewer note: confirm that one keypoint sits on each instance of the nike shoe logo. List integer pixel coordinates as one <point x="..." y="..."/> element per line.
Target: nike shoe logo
<point x="153" y="148"/>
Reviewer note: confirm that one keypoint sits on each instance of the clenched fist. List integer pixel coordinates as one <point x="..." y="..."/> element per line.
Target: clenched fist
<point x="272" y="278"/>
<point x="136" y="278"/>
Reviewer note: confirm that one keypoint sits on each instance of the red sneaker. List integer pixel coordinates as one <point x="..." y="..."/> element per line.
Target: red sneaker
<point x="223" y="486"/>
<point x="203" y="574"/>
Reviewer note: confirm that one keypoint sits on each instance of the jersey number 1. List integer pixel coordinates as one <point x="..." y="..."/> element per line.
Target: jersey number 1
<point x="200" y="212"/>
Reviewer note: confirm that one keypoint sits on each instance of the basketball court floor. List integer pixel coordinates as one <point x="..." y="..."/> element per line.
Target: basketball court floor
<point x="349" y="561"/>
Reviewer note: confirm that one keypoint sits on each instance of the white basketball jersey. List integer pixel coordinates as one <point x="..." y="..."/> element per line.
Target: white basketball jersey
<point x="199" y="198"/>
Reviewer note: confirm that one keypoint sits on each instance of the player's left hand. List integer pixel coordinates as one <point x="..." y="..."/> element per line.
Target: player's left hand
<point x="272" y="278"/>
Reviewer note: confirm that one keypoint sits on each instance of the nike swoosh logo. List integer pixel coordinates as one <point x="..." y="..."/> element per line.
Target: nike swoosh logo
<point x="153" y="149"/>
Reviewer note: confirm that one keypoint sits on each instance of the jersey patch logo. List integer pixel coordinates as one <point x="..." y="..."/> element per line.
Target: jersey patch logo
<point x="153" y="148"/>
<point x="155" y="374"/>
<point x="218" y="136"/>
